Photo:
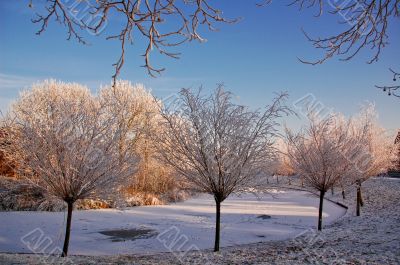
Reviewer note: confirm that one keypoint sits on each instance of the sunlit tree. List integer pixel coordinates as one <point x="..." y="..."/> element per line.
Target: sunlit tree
<point x="68" y="143"/>
<point x="376" y="149"/>
<point x="218" y="146"/>
<point x="141" y="116"/>
<point x="317" y="154"/>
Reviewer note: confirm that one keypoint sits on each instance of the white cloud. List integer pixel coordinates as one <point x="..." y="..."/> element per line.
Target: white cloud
<point x="10" y="82"/>
<point x="10" y="86"/>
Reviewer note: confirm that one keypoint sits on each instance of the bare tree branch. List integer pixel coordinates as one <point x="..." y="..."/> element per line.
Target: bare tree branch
<point x="366" y="24"/>
<point x="163" y="23"/>
<point x="367" y="27"/>
<point x="392" y="90"/>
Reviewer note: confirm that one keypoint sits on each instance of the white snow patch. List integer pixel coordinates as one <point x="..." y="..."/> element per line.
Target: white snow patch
<point x="194" y="220"/>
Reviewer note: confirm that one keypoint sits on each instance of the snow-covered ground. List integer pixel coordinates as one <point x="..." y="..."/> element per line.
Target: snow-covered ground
<point x="372" y="238"/>
<point x="177" y="227"/>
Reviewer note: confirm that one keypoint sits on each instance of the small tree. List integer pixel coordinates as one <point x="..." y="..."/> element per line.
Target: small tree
<point x="216" y="145"/>
<point x="376" y="150"/>
<point x="141" y="116"/>
<point x="317" y="155"/>
<point x="68" y="144"/>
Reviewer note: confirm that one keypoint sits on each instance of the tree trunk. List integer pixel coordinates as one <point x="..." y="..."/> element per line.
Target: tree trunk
<point x="333" y="192"/>
<point x="358" y="200"/>
<point x="321" y="204"/>
<point x="361" y="197"/>
<point x="68" y="229"/>
<point x="217" y="225"/>
<point x="343" y="195"/>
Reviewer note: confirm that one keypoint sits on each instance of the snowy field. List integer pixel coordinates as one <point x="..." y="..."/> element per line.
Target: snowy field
<point x="149" y="229"/>
<point x="372" y="238"/>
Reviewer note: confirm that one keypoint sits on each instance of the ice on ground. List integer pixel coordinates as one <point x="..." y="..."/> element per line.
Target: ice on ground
<point x="175" y="227"/>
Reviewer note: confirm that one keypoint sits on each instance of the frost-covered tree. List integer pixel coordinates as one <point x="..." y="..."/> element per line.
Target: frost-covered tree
<point x="141" y="116"/>
<point x="317" y="154"/>
<point x="376" y="150"/>
<point x="396" y="166"/>
<point x="218" y="146"/>
<point x="7" y="166"/>
<point x="69" y="143"/>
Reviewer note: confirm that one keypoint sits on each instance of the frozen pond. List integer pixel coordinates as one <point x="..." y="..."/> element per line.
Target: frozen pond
<point x="180" y="226"/>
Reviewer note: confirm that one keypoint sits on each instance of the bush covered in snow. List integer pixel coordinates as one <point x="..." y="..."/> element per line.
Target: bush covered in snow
<point x="17" y="195"/>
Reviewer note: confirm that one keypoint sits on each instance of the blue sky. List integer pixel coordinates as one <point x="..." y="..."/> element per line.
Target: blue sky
<point x="253" y="58"/>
